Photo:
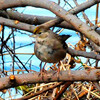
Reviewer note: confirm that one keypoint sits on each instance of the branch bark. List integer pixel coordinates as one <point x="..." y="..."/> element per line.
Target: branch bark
<point x="33" y="19"/>
<point x="66" y="85"/>
<point x="83" y="54"/>
<point x="30" y="78"/>
<point x="43" y="4"/>
<point x="19" y="25"/>
<point x="40" y="92"/>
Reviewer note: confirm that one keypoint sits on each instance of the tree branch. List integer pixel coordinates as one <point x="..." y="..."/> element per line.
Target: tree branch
<point x="33" y="19"/>
<point x="40" y="92"/>
<point x="59" y="95"/>
<point x="30" y="78"/>
<point x="19" y="25"/>
<point x="43" y="4"/>
<point x="74" y="21"/>
<point x="39" y="19"/>
<point x="83" y="54"/>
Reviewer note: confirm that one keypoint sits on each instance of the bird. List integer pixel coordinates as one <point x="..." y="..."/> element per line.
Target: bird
<point x="49" y="46"/>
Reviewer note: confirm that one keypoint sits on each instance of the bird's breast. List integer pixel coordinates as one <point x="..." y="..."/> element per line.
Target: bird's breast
<point x="49" y="53"/>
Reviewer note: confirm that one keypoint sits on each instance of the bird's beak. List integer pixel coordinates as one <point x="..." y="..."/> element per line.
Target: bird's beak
<point x="33" y="35"/>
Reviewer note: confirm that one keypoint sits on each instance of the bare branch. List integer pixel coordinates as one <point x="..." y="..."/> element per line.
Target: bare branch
<point x="66" y="85"/>
<point x="30" y="78"/>
<point x="43" y="4"/>
<point x="20" y="25"/>
<point x="83" y="54"/>
<point x="40" y="92"/>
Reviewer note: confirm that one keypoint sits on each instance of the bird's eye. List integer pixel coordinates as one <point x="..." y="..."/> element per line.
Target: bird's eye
<point x="39" y="33"/>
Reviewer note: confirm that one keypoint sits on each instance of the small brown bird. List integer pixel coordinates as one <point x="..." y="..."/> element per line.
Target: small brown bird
<point x="49" y="47"/>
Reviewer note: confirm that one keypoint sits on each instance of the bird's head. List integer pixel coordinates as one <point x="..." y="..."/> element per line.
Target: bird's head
<point x="39" y="31"/>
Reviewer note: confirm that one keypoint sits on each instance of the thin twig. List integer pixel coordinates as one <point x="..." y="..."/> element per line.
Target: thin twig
<point x="13" y="59"/>
<point x="40" y="92"/>
<point x="16" y="57"/>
